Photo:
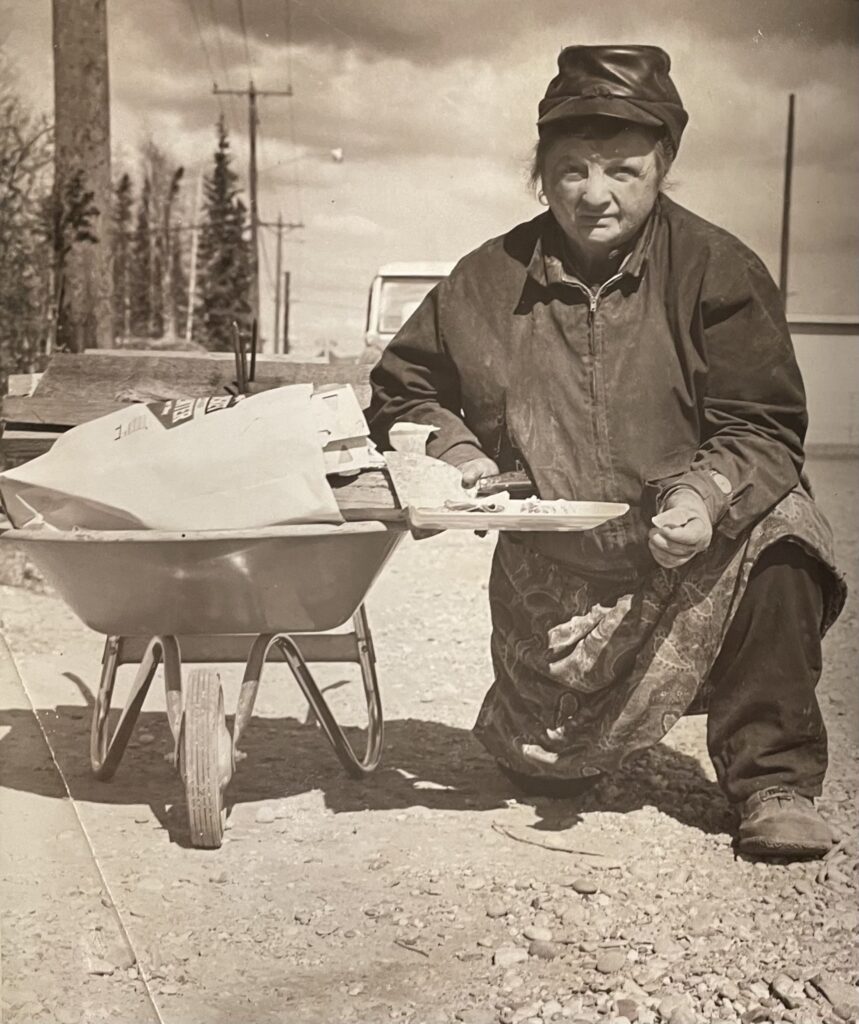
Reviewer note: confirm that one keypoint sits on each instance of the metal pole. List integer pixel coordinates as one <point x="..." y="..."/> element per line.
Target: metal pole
<point x="785" y="215"/>
<point x="277" y="272"/>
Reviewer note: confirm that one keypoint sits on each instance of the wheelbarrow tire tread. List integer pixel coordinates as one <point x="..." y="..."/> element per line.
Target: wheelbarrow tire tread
<point x="203" y="726"/>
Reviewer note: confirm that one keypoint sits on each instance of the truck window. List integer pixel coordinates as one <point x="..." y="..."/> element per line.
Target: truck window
<point x="399" y="298"/>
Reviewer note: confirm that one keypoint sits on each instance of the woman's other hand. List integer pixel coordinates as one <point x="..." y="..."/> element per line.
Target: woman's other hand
<point x="681" y="530"/>
<point x="476" y="469"/>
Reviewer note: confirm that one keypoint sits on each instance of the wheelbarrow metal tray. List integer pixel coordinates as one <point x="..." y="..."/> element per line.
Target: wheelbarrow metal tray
<point x="148" y="583"/>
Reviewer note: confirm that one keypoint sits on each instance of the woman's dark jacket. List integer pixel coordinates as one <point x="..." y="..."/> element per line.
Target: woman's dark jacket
<point x="679" y="370"/>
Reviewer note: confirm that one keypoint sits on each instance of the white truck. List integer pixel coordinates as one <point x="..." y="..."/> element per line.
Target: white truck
<point x="396" y="292"/>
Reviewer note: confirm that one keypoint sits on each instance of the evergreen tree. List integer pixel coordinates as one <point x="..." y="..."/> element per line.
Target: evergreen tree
<point x="122" y="239"/>
<point x="224" y="254"/>
<point x="140" y="290"/>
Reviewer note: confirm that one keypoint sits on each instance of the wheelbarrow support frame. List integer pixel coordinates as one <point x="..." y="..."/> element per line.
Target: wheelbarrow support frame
<point x="296" y="650"/>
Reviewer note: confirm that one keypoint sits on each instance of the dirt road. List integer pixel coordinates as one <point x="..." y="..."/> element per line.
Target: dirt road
<point x="428" y="894"/>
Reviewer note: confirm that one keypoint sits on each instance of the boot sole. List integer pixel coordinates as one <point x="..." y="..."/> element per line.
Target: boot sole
<point x="781" y="848"/>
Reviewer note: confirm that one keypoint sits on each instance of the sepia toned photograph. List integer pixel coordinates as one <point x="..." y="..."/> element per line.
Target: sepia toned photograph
<point x="429" y="461"/>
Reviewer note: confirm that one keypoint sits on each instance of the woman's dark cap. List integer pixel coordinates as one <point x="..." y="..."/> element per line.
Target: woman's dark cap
<point x="629" y="82"/>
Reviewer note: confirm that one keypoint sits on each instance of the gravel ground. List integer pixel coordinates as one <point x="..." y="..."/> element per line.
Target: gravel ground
<point x="430" y="893"/>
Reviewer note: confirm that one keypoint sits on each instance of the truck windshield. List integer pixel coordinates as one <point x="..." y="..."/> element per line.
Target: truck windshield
<point x="399" y="298"/>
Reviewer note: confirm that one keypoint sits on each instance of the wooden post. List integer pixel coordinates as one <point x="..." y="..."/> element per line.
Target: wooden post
<point x="82" y="153"/>
<point x="192" y="276"/>
<point x="785" y="213"/>
<point x="285" y="345"/>
<point x="253" y="121"/>
<point x="277" y="273"/>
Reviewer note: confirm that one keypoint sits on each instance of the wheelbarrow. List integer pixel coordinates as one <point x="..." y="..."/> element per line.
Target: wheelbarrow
<point x="213" y="598"/>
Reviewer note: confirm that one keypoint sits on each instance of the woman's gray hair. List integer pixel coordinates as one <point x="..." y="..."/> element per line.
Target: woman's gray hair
<point x="598" y="128"/>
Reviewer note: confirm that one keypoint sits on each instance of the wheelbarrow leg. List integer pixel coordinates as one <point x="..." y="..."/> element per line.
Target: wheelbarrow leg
<point x="249" y="689"/>
<point x="367" y="661"/>
<point x="105" y="750"/>
<point x="356" y="767"/>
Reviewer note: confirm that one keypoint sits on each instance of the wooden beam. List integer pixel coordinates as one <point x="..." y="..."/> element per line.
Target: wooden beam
<point x="78" y="388"/>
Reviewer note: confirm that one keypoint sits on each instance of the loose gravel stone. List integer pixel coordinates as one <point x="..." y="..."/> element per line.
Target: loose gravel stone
<point x="787" y="991"/>
<point x="497" y="908"/>
<point x="535" y="932"/>
<point x="584" y="886"/>
<point x="477" y="1015"/>
<point x="265" y="816"/>
<point x="507" y="956"/>
<point x="611" y="961"/>
<point x="544" y="949"/>
<point x="683" y="1015"/>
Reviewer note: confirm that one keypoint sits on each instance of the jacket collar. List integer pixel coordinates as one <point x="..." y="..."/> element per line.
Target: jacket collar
<point x="549" y="266"/>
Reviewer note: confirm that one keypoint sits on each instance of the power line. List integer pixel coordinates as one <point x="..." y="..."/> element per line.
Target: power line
<point x="213" y="17"/>
<point x="296" y="182"/>
<point x="287" y="20"/>
<point x="205" y="48"/>
<point x="241" y="7"/>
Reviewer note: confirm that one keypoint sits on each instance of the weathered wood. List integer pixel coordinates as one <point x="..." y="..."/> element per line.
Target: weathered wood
<point x="95" y="380"/>
<point x="59" y="413"/>
<point x="82" y="153"/>
<point x="22" y="385"/>
<point x="17" y="446"/>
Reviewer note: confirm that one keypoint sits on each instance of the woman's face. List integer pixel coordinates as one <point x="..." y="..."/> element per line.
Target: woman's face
<point x="601" y="190"/>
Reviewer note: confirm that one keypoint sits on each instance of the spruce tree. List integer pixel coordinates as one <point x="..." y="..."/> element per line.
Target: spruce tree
<point x="224" y="254"/>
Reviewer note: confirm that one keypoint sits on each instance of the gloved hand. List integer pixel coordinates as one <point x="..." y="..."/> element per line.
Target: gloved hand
<point x="681" y="530"/>
<point x="476" y="469"/>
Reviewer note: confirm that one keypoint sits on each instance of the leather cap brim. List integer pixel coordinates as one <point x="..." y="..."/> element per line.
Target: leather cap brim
<point x="599" y="106"/>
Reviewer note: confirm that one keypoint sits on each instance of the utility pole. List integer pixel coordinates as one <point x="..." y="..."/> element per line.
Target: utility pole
<point x="83" y="277"/>
<point x="286" y="312"/>
<point x="192" y="277"/>
<point x="253" y="120"/>
<point x="280" y="226"/>
<point x="785" y="214"/>
<point x="275" y="339"/>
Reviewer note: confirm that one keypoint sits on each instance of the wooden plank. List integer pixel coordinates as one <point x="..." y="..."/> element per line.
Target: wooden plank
<point x="103" y="393"/>
<point x="22" y="385"/>
<point x="59" y="413"/>
<point x="22" y="445"/>
<point x="120" y="377"/>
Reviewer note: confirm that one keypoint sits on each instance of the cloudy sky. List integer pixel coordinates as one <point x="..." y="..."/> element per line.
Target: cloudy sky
<point x="433" y="103"/>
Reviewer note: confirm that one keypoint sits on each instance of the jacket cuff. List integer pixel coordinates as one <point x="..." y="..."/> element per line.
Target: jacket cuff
<point x="713" y="488"/>
<point x="460" y="453"/>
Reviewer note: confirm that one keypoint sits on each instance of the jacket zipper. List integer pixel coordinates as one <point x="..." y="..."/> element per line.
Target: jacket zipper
<point x="593" y="298"/>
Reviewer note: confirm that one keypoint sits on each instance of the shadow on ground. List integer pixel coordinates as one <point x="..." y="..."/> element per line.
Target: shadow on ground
<point x="425" y="763"/>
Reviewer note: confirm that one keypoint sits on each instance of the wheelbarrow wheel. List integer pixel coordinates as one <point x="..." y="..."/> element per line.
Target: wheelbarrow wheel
<point x="206" y="752"/>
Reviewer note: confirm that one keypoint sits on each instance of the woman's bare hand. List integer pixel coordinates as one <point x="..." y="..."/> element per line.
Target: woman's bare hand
<point x="476" y="469"/>
<point x="681" y="530"/>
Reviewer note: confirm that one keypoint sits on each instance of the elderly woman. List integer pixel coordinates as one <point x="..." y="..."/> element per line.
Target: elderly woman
<point x="620" y="348"/>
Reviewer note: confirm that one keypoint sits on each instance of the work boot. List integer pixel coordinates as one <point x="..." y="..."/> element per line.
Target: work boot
<point x="779" y="822"/>
<point x="550" y="785"/>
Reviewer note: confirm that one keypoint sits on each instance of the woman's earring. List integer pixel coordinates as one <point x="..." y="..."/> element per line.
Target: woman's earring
<point x="541" y="198"/>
